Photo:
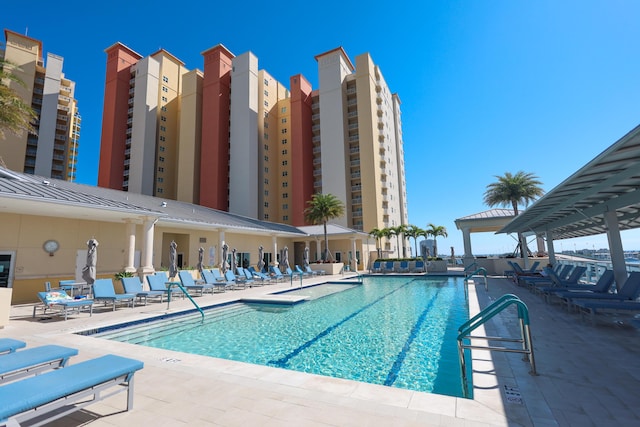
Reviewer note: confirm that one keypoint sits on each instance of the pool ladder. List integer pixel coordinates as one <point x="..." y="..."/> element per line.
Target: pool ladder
<point x="481" y="318"/>
<point x="479" y="270"/>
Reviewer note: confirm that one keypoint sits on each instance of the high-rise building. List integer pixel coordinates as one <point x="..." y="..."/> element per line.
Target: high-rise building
<point x="52" y="151"/>
<point x="234" y="138"/>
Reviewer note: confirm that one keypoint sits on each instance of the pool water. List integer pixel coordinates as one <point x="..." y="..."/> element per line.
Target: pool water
<point x="396" y="331"/>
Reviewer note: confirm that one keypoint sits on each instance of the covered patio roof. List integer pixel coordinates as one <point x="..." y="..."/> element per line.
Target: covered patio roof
<point x="577" y="206"/>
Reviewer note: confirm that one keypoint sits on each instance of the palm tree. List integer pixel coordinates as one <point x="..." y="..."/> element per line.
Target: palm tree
<point x="15" y="115"/>
<point x="523" y="187"/>
<point x="435" y="231"/>
<point x="320" y="209"/>
<point x="415" y="232"/>
<point x="399" y="231"/>
<point x="378" y="234"/>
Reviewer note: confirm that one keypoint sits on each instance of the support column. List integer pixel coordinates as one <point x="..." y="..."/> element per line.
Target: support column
<point x="615" y="248"/>
<point x="318" y="249"/>
<point x="274" y="241"/>
<point x="149" y="226"/>
<point x="540" y="242"/>
<point x="131" y="247"/>
<point x="468" y="254"/>
<point x="551" y="249"/>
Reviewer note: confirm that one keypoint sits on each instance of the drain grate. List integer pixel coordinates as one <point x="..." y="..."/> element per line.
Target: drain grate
<point x="170" y="360"/>
<point x="513" y="394"/>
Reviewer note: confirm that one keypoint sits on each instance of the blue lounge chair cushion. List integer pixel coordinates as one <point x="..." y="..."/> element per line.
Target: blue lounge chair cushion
<point x="9" y="345"/>
<point x="33" y="360"/>
<point x="30" y="393"/>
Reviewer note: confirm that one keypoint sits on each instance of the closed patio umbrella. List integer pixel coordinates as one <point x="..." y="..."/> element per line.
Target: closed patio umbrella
<point x="305" y="258"/>
<point x="223" y="265"/>
<point x="233" y="260"/>
<point x="89" y="270"/>
<point x="200" y="259"/>
<point x="173" y="266"/>
<point x="285" y="258"/>
<point x="260" y="258"/>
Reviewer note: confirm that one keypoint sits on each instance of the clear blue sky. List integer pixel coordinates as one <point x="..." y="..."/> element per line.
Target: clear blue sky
<point x="487" y="87"/>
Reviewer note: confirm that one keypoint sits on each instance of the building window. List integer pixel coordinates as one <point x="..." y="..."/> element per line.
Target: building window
<point x="165" y="89"/>
<point x="284" y="130"/>
<point x="284" y="163"/>
<point x="284" y="152"/>
<point x="284" y="120"/>
<point x="163" y="108"/>
<point x="285" y="173"/>
<point x="162" y="148"/>
<point x="285" y="195"/>
<point x="283" y="110"/>
<point x="266" y="181"/>
<point x="266" y="114"/>
<point x="266" y="147"/>
<point x="266" y="103"/>
<point x="266" y="135"/>
<point x="165" y="79"/>
<point x="164" y="98"/>
<point x="160" y="169"/>
<point x="285" y="217"/>
<point x="161" y="159"/>
<point x="285" y="206"/>
<point x="163" y="128"/>
<point x="266" y="204"/>
<point x="266" y="124"/>
<point x="162" y="138"/>
<point x="266" y="192"/>
<point x="284" y="141"/>
<point x="266" y="158"/>
<point x="266" y="216"/>
<point x="160" y="179"/>
<point x="266" y="170"/>
<point x="266" y="82"/>
<point x="266" y="93"/>
<point x="285" y="184"/>
<point x="163" y="118"/>
<point x="159" y="190"/>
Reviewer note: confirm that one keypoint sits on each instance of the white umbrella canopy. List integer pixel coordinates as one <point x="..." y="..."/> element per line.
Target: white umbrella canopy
<point x="260" y="258"/>
<point x="173" y="256"/>
<point x="89" y="270"/>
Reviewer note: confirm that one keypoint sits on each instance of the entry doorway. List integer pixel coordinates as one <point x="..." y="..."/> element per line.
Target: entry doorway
<point x="7" y="261"/>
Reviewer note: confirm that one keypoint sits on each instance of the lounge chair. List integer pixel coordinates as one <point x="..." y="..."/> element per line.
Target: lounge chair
<point x="242" y="276"/>
<point x="132" y="285"/>
<point x="419" y="268"/>
<point x="209" y="278"/>
<point x="276" y="273"/>
<point x="291" y="273"/>
<point x="187" y="282"/>
<point x="404" y="267"/>
<point x="302" y="272"/>
<point x="233" y="281"/>
<point x="388" y="267"/>
<point x="104" y="291"/>
<point x="9" y="345"/>
<point x="557" y="283"/>
<point x="260" y="275"/>
<point x="628" y="292"/>
<point x="53" y="395"/>
<point x="314" y="272"/>
<point x="250" y="279"/>
<point x="61" y="303"/>
<point x="33" y="361"/>
<point x="602" y="287"/>
<point x="377" y="267"/>
<point x="158" y="282"/>
<point x="219" y="276"/>
<point x="592" y="308"/>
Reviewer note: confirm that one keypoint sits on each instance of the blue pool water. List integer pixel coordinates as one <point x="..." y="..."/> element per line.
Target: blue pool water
<point x="395" y="331"/>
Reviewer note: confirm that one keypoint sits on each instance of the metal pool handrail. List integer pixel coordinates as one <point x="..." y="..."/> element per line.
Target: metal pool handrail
<point x="480" y="270"/>
<point x="184" y="291"/>
<point x="471" y="266"/>
<point x="481" y="318"/>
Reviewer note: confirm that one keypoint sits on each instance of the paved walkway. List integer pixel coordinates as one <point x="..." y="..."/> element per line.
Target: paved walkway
<point x="588" y="376"/>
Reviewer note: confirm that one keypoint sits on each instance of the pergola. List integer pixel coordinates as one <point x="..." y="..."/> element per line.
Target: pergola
<point x="481" y="222"/>
<point x="602" y="197"/>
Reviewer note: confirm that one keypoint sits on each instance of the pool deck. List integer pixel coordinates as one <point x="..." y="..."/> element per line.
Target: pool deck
<point x="588" y="375"/>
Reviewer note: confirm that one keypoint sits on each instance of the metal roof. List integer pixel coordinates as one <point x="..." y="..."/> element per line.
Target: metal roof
<point x="28" y="193"/>
<point x="576" y="207"/>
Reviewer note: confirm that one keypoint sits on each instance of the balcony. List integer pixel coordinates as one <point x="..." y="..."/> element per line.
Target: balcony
<point x="355" y="175"/>
<point x="357" y="213"/>
<point x="317" y="184"/>
<point x="317" y="161"/>
<point x="62" y="117"/>
<point x="37" y="101"/>
<point x="351" y="91"/>
<point x="317" y="150"/>
<point x="131" y="101"/>
<point x="61" y="137"/>
<point x="64" y="100"/>
<point x="129" y="131"/>
<point x="315" y="128"/>
<point x="317" y="172"/>
<point x="61" y="127"/>
<point x="356" y="188"/>
<point x="315" y="117"/>
<point x="353" y="126"/>
<point x="354" y="138"/>
<point x="352" y="114"/>
<point x="316" y="138"/>
<point x="355" y="163"/>
<point x="132" y="91"/>
<point x="354" y="150"/>
<point x="353" y="101"/>
<point x="130" y="110"/>
<point x="356" y="201"/>
<point x="63" y="108"/>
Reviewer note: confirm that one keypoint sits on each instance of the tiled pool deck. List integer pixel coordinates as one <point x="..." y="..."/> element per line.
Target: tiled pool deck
<point x="588" y="376"/>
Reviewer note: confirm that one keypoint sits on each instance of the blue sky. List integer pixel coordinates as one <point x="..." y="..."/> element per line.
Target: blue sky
<point x="487" y="87"/>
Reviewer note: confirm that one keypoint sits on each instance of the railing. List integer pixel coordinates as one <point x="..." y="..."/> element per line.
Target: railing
<point x="471" y="267"/>
<point x="184" y="291"/>
<point x="481" y="318"/>
<point x="479" y="270"/>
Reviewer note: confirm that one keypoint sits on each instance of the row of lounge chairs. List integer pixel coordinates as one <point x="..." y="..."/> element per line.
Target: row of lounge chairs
<point x="38" y="385"/>
<point x="563" y="285"/>
<point x="58" y="301"/>
<point x="398" y="267"/>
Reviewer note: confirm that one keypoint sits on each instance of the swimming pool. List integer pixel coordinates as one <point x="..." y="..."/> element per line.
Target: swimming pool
<point x="395" y="331"/>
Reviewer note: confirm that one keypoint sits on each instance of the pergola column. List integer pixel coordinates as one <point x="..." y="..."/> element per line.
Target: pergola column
<point x="318" y="249"/>
<point x="468" y="254"/>
<point x="353" y="251"/>
<point x="274" y="259"/>
<point x="550" y="248"/>
<point x="149" y="227"/>
<point x="220" y="245"/>
<point x="615" y="248"/>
